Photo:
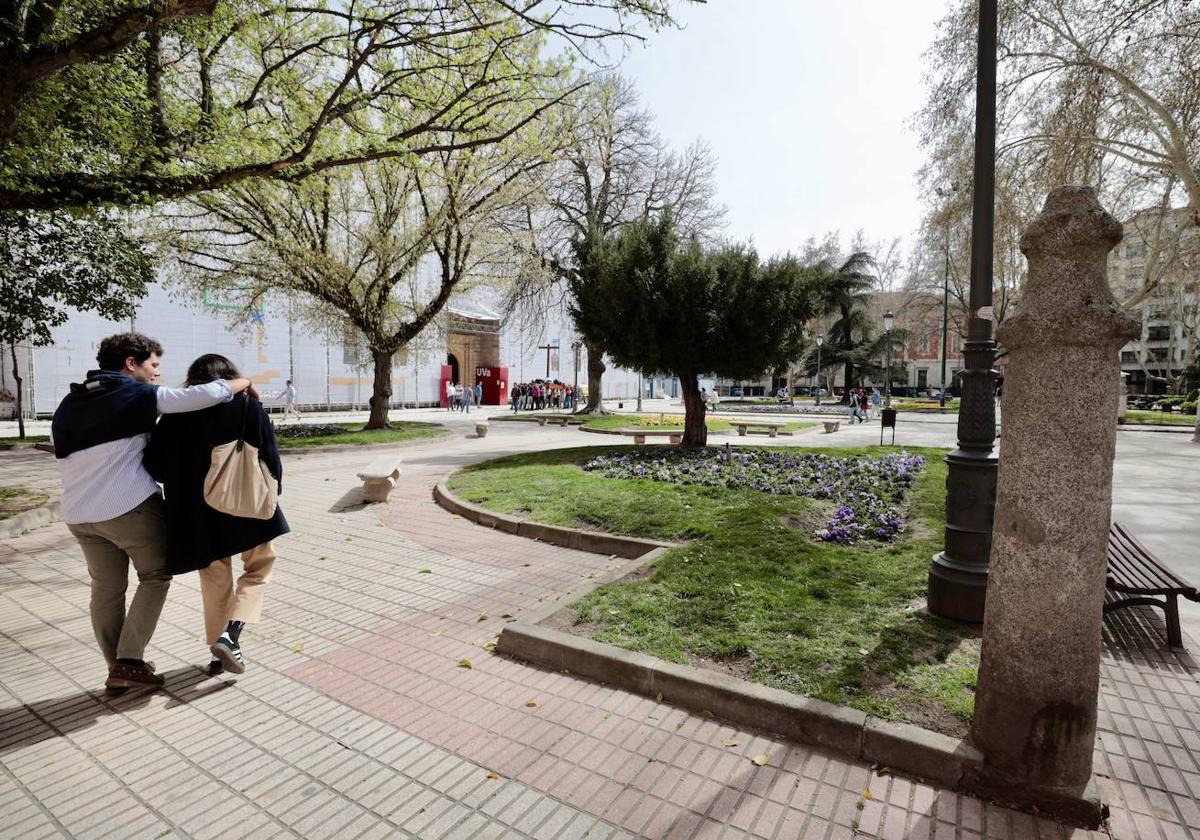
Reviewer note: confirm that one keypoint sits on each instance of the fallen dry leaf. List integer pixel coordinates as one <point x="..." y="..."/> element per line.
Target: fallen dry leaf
<point x="492" y="774"/>
<point x="482" y="617"/>
<point x="863" y="651"/>
<point x="425" y="571"/>
<point x="507" y="615"/>
<point x="531" y="704"/>
<point x="731" y="743"/>
<point x="868" y="795"/>
<point x="465" y="663"/>
<point x="706" y="714"/>
<point x="490" y="646"/>
<point x="658" y="697"/>
<point x="760" y="759"/>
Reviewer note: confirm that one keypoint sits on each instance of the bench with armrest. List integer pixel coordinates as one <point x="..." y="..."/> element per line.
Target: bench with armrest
<point x="639" y="435"/>
<point x="1135" y="575"/>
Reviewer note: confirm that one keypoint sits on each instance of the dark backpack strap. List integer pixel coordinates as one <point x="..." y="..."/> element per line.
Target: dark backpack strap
<point x="241" y="441"/>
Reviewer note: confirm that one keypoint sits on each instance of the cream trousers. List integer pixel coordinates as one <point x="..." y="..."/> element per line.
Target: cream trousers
<point x="225" y="602"/>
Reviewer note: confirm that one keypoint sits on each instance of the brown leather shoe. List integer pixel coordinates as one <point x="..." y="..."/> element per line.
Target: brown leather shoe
<point x="127" y="675"/>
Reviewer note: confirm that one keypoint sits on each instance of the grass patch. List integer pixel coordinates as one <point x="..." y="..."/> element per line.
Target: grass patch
<point x="672" y="421"/>
<point x="30" y="439"/>
<point x="905" y="404"/>
<point x="341" y="434"/>
<point x="14" y="500"/>
<point x="1159" y="418"/>
<point x="754" y="593"/>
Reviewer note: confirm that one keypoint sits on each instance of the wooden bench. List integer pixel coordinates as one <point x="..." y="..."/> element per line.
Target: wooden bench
<point x="770" y="428"/>
<point x="639" y="435"/>
<point x="555" y="419"/>
<point x="1134" y="571"/>
<point x="832" y="426"/>
<point x="379" y="477"/>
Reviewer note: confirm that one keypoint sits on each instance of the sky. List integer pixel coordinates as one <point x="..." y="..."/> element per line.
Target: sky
<point x="806" y="104"/>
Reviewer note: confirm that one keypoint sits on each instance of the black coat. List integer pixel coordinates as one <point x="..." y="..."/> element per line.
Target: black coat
<point x="178" y="456"/>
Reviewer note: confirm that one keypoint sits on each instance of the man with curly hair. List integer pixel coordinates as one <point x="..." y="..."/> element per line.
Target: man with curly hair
<point x="110" y="502"/>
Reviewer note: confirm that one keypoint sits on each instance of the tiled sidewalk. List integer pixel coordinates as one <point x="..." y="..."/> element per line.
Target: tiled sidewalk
<point x="356" y="719"/>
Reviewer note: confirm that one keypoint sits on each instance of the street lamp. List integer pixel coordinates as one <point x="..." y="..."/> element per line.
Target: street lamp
<point x="958" y="575"/>
<point x="820" y="341"/>
<point x="888" y="320"/>
<point x="945" y="291"/>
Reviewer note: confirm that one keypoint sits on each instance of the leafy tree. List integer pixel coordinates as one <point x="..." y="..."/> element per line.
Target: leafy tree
<point x="130" y="101"/>
<point x="52" y="263"/>
<point x="614" y="170"/>
<point x="846" y="295"/>
<point x="664" y="306"/>
<point x="352" y="241"/>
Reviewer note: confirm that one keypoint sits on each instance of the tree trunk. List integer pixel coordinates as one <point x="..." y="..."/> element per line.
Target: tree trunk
<point x="1196" y="430"/>
<point x="381" y="391"/>
<point x="20" y="396"/>
<point x="848" y="374"/>
<point x="695" y="431"/>
<point x="595" y="372"/>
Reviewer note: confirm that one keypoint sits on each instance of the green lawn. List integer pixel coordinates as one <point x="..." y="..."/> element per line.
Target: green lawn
<point x="673" y="421"/>
<point x="30" y="439"/>
<point x="906" y="404"/>
<point x="353" y="433"/>
<point x="1161" y="418"/>
<point x="754" y="593"/>
<point x="14" y="500"/>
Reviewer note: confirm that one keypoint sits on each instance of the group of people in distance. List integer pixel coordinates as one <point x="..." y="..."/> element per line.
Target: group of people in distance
<point x="115" y="451"/>
<point x="462" y="397"/>
<point x="541" y="393"/>
<point x="862" y="404"/>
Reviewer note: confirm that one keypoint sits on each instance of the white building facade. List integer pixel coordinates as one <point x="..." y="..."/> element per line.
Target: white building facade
<point x="273" y="344"/>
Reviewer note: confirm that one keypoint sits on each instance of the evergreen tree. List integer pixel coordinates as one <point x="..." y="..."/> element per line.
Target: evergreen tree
<point x="664" y="306"/>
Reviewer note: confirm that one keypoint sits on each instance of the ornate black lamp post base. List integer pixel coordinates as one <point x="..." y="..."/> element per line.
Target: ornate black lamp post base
<point x="958" y="576"/>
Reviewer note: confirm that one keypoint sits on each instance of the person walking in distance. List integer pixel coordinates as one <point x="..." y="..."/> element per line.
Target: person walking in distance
<point x="288" y="395"/>
<point x="110" y="502"/>
<point x="449" y="395"/>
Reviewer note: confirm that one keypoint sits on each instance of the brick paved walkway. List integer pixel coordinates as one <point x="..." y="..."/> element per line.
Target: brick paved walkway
<point x="356" y="720"/>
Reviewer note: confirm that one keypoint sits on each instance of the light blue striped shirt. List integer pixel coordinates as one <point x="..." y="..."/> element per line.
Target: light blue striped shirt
<point x="107" y="480"/>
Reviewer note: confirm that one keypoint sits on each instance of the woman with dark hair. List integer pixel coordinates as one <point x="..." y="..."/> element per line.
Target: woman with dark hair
<point x="201" y="538"/>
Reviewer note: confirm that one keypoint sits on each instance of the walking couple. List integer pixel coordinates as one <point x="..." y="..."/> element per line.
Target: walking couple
<point x="114" y="452"/>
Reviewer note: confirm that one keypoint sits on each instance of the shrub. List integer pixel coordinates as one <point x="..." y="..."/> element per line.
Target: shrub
<point x="1188" y="407"/>
<point x="309" y="430"/>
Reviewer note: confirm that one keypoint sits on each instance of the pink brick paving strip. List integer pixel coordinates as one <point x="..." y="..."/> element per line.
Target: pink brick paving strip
<point x="324" y="742"/>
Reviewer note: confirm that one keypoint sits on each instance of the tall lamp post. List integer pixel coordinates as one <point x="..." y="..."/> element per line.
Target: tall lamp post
<point x="820" y="341"/>
<point x="943" y="193"/>
<point x="888" y="321"/>
<point x="958" y="575"/>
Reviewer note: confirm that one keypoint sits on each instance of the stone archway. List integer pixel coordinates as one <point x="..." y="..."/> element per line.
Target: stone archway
<point x="455" y="372"/>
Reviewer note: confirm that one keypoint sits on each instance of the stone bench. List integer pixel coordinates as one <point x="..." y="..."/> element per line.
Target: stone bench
<point x="379" y="477"/>
<point x="832" y="426"/>
<point x="555" y="419"/>
<point x="639" y="435"/>
<point x="771" y="429"/>
<point x="1134" y="574"/>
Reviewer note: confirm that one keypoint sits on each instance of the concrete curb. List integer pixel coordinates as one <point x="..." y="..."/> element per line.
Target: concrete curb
<point x="25" y="522"/>
<point x="902" y="747"/>
<point x="593" y="541"/>
<point x="1161" y="427"/>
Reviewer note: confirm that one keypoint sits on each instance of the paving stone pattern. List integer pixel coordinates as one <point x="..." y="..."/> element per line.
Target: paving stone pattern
<point x="357" y="720"/>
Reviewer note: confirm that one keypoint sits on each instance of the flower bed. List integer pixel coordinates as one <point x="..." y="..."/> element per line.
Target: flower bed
<point x="308" y="430"/>
<point x="868" y="491"/>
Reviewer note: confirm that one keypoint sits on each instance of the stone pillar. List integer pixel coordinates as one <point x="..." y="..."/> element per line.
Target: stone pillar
<point x="1035" y="708"/>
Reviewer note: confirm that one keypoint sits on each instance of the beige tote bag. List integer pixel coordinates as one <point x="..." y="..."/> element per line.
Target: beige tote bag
<point x="238" y="483"/>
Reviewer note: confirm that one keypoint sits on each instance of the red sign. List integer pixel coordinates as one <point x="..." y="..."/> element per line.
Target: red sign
<point x="495" y="384"/>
